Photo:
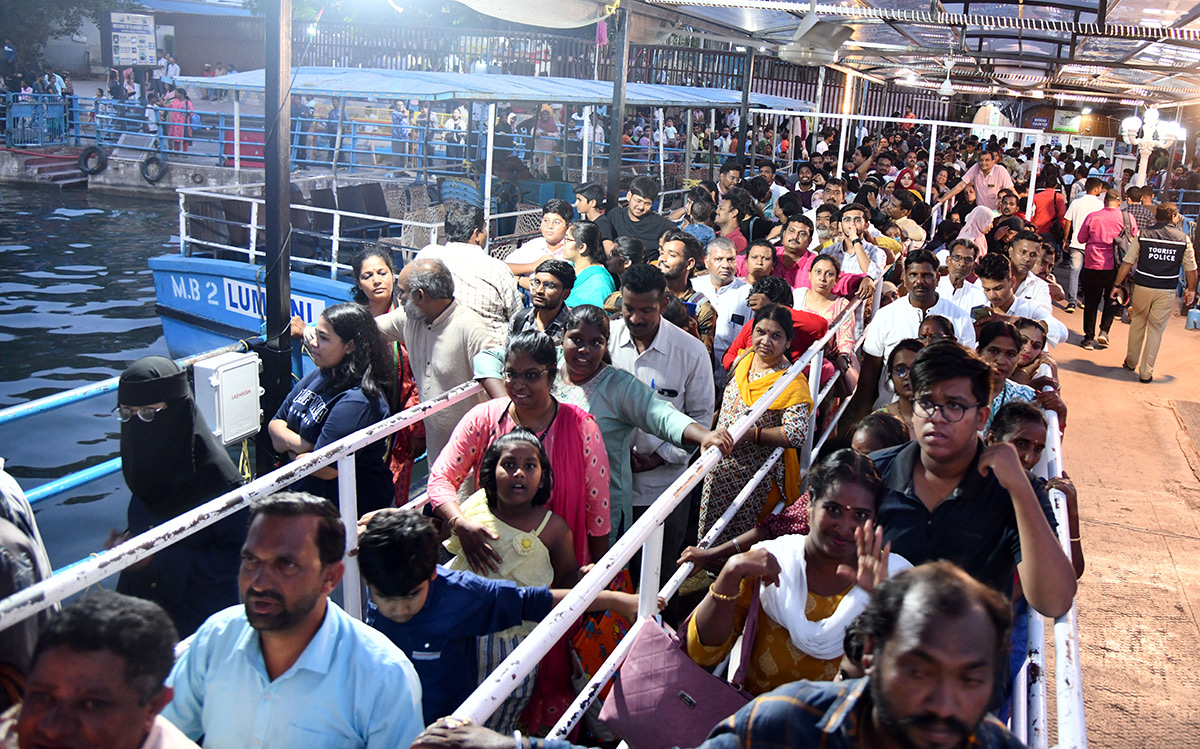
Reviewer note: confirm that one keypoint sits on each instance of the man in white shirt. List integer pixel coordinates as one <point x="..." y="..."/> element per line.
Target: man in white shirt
<point x="853" y="251"/>
<point x="1080" y="208"/>
<point x="899" y="320"/>
<point x="1025" y="250"/>
<point x="677" y="366"/>
<point x="954" y="286"/>
<point x="481" y="282"/>
<point x="995" y="276"/>
<point x="728" y="295"/>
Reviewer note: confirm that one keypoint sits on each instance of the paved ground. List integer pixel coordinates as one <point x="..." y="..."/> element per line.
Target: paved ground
<point x="1136" y="467"/>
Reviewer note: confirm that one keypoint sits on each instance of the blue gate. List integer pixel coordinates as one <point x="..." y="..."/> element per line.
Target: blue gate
<point x="35" y="120"/>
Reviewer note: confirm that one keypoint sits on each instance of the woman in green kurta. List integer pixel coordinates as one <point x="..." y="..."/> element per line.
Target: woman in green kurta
<point x="620" y="403"/>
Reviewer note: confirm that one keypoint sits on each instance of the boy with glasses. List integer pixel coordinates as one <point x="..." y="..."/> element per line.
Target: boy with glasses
<point x="948" y="497"/>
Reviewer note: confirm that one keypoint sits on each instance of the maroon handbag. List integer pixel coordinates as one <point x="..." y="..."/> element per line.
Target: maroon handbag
<point x="661" y="698"/>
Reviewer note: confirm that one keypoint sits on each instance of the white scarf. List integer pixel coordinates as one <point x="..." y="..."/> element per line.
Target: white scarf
<point x="787" y="602"/>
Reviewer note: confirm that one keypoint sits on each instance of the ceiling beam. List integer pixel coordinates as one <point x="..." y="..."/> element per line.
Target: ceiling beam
<point x="1183" y="20"/>
<point x="854" y="49"/>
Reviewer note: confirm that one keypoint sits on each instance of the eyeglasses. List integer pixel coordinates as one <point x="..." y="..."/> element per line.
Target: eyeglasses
<point x="951" y="412"/>
<point x="145" y="413"/>
<point x="530" y="376"/>
<point x="900" y="370"/>
<point x="961" y="259"/>
<point x="547" y="285"/>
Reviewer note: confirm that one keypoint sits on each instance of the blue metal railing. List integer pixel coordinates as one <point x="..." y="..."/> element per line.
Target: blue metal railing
<point x="75" y="395"/>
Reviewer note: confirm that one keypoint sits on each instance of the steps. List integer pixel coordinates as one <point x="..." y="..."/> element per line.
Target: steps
<point x="56" y="167"/>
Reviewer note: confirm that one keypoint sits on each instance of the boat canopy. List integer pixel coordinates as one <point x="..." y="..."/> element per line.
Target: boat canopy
<point x="367" y="83"/>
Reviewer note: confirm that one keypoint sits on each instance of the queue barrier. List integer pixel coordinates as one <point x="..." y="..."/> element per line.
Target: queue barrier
<point x="646" y="535"/>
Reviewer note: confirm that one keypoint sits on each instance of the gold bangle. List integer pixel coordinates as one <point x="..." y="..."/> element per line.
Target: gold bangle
<point x="720" y="596"/>
<point x="450" y="523"/>
<point x="1076" y="539"/>
<point x="736" y="548"/>
<point x="757" y="435"/>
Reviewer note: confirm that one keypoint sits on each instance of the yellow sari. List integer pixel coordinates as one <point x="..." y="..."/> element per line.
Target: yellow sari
<point x="795" y="394"/>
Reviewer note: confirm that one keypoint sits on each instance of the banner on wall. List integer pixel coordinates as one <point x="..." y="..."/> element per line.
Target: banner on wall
<point x="1067" y="121"/>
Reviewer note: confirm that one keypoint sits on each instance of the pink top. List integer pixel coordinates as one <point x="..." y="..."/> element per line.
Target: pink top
<point x="988" y="187"/>
<point x="485" y="423"/>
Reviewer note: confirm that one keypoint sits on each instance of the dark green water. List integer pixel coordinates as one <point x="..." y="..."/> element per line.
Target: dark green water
<point x="76" y="307"/>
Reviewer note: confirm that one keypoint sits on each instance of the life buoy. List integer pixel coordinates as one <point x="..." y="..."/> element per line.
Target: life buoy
<point x="153" y="168"/>
<point x="93" y="160"/>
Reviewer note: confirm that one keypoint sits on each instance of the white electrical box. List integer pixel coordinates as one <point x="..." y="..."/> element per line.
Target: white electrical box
<point x="228" y="394"/>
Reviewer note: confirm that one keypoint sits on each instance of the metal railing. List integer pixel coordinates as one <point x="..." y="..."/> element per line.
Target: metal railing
<point x="645" y="535"/>
<point x="79" y="576"/>
<point x="82" y="393"/>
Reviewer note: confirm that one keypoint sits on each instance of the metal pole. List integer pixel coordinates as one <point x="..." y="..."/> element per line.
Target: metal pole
<point x="617" y="118"/>
<point x="1033" y="174"/>
<point x="587" y="140"/>
<point x="932" y="161"/>
<point x="744" y="113"/>
<point x="712" y="141"/>
<point x="237" y="137"/>
<point x="662" y="152"/>
<point x="487" y="177"/>
<point x="689" y="154"/>
<point x="277" y="351"/>
<point x="348" y="504"/>
<point x="845" y="123"/>
<point x="820" y="98"/>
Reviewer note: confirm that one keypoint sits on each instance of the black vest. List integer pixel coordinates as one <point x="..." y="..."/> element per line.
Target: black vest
<point x="1159" y="258"/>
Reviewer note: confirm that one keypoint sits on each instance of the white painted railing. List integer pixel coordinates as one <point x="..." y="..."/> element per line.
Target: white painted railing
<point x="91" y="571"/>
<point x="646" y="535"/>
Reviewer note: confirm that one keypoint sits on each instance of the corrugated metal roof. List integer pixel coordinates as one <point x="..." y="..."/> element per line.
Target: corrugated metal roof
<point x="428" y="86"/>
<point x="193" y="7"/>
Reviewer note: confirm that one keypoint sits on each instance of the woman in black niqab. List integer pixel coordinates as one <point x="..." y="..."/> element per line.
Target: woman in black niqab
<point x="172" y="464"/>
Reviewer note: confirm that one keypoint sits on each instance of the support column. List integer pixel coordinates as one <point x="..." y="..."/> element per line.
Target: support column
<point x="617" y="113"/>
<point x="744" y="114"/>
<point x="277" y="351"/>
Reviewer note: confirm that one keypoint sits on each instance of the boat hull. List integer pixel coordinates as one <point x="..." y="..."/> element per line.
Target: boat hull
<point x="205" y="303"/>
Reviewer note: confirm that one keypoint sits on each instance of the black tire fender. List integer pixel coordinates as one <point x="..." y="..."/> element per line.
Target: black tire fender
<point x="153" y="168"/>
<point x="93" y="160"/>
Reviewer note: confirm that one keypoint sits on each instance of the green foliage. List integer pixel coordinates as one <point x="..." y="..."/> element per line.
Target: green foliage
<point x="30" y="24"/>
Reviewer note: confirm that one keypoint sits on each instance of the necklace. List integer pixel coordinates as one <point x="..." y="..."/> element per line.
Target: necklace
<point x="541" y="437"/>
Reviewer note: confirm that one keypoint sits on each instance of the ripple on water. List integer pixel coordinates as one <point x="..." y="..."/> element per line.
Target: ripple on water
<point x="80" y="245"/>
<point x="74" y="212"/>
<point x="13" y="247"/>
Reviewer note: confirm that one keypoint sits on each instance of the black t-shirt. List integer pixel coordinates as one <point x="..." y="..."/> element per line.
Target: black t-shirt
<point x="756" y="228"/>
<point x="648" y="229"/>
<point x="975" y="527"/>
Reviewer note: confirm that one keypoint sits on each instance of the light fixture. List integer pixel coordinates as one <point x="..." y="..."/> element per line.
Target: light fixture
<point x="947" y="88"/>
<point x="1086" y="110"/>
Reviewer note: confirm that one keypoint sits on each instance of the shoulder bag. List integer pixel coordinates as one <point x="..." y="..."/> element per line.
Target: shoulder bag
<point x="661" y="698"/>
<point x="1125" y="242"/>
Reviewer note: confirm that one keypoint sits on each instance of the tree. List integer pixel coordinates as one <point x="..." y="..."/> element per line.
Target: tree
<point x="29" y="24"/>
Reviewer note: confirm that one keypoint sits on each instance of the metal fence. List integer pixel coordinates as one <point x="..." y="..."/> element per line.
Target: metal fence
<point x="645" y="535"/>
<point x="34" y="120"/>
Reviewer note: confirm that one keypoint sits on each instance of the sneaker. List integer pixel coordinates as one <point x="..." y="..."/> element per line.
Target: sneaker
<point x="1102" y="339"/>
<point x="1070" y="308"/>
<point x="1088" y="343"/>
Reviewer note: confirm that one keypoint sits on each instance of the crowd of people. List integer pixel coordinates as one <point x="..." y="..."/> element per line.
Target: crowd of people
<point x="880" y="587"/>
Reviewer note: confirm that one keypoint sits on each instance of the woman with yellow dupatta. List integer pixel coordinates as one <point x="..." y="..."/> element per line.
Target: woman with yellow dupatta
<point x="785" y="424"/>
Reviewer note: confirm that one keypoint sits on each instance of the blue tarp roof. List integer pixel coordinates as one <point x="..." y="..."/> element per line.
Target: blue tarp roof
<point x="195" y="8"/>
<point x="362" y="83"/>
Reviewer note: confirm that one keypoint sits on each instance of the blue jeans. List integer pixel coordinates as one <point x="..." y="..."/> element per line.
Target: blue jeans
<point x="1073" y="278"/>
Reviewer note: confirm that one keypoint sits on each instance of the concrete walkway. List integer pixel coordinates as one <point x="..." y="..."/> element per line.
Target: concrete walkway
<point x="1136" y="469"/>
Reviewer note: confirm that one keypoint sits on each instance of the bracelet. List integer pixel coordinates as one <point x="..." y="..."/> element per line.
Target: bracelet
<point x="757" y="435"/>
<point x="720" y="596"/>
<point x="518" y="741"/>
<point x="450" y="523"/>
<point x="1076" y="539"/>
<point x="736" y="548"/>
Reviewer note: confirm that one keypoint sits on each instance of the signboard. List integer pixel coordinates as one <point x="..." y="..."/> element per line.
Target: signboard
<point x="1040" y="123"/>
<point x="1066" y="121"/>
<point x="133" y="40"/>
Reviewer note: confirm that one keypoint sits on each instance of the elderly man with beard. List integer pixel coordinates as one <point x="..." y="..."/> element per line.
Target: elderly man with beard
<point x="934" y="646"/>
<point x="289" y="668"/>
<point x="442" y="337"/>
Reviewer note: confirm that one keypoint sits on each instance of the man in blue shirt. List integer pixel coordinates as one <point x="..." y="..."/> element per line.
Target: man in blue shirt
<point x="934" y="641"/>
<point x="289" y="668"/>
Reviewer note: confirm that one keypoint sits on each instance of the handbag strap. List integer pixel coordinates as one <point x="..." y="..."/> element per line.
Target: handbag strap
<point x="748" y="632"/>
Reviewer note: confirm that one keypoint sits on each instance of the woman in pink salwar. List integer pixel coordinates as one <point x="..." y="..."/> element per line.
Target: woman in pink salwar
<point x="179" y="131"/>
